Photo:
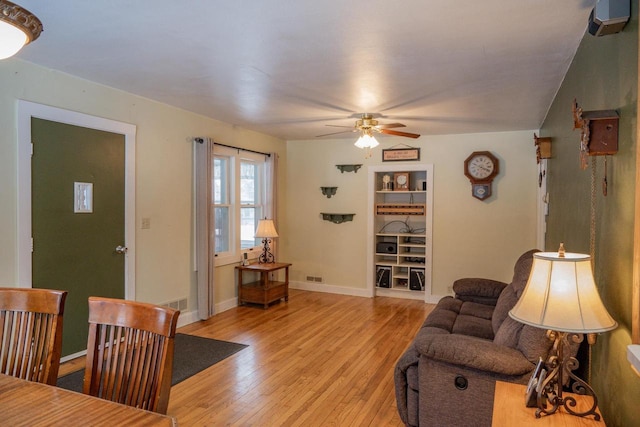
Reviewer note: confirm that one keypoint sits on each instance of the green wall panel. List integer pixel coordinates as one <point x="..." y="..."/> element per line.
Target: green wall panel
<point x="602" y="76"/>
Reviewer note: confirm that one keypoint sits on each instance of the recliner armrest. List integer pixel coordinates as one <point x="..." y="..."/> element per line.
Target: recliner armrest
<point x="474" y="353"/>
<point x="483" y="291"/>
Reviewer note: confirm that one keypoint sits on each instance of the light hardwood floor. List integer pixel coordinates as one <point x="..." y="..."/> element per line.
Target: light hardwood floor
<point x="318" y="360"/>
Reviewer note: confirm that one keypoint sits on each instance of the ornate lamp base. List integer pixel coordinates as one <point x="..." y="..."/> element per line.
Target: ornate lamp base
<point x="266" y="256"/>
<point x="550" y="396"/>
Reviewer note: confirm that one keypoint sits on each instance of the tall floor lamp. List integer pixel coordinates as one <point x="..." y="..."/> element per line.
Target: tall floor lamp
<point x="561" y="296"/>
<point x="266" y="231"/>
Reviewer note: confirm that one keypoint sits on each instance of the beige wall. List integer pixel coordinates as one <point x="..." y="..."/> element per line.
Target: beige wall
<point x="471" y="238"/>
<point x="163" y="172"/>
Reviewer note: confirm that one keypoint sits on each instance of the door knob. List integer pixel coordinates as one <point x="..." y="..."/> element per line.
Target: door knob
<point x="121" y="249"/>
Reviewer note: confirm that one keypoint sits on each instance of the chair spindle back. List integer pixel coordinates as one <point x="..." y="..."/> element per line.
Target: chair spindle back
<point x="130" y="352"/>
<point x="31" y="333"/>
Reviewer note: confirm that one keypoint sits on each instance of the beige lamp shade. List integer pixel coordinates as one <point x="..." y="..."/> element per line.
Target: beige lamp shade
<point x="266" y="229"/>
<point x="561" y="295"/>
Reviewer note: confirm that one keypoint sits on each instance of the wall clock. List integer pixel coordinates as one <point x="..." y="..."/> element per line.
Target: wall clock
<point x="481" y="167"/>
<point x="401" y="181"/>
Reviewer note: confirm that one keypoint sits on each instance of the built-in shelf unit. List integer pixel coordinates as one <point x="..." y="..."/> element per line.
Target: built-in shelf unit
<point x="399" y="260"/>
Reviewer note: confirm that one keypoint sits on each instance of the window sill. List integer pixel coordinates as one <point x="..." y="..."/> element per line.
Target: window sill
<point x="226" y="260"/>
<point x="252" y="255"/>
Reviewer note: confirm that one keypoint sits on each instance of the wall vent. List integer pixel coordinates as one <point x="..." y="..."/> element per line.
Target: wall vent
<point x="181" y="304"/>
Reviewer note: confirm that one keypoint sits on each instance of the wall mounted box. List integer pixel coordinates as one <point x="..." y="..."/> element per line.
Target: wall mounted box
<point x="543" y="147"/>
<point x="609" y="17"/>
<point x="603" y="132"/>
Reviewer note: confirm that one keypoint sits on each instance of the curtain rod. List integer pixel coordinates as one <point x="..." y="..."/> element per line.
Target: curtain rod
<point x="201" y="141"/>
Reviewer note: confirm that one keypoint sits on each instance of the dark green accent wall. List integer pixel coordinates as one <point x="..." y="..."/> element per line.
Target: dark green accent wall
<point x="602" y="76"/>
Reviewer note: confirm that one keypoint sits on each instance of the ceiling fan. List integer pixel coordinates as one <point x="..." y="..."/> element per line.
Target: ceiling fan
<point x="367" y="125"/>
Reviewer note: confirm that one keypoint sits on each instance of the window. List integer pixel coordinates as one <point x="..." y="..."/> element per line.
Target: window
<point x="250" y="206"/>
<point x="221" y="203"/>
<point x="238" y="201"/>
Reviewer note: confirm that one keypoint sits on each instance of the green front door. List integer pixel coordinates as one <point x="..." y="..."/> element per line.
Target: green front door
<point x="76" y="251"/>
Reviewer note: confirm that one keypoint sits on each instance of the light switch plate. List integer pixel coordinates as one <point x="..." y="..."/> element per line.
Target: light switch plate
<point x="83" y="197"/>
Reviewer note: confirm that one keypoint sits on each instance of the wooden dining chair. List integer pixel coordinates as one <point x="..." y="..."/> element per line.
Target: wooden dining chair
<point x="31" y="333"/>
<point x="130" y="352"/>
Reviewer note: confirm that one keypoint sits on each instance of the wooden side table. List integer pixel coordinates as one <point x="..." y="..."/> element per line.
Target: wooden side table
<point x="263" y="291"/>
<point x="509" y="410"/>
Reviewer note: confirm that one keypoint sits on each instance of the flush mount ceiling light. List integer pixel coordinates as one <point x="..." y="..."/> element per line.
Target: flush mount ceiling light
<point x="18" y="27"/>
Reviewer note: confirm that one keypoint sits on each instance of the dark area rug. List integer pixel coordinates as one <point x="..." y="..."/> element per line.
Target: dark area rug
<point x="191" y="355"/>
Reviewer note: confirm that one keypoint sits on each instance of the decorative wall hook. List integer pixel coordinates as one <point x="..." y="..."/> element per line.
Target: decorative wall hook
<point x="349" y="168"/>
<point x="329" y="191"/>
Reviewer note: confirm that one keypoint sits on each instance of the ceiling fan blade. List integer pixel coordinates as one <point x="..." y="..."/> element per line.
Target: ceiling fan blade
<point x="340" y="126"/>
<point x="390" y="125"/>
<point x="397" y="133"/>
<point x="335" y="133"/>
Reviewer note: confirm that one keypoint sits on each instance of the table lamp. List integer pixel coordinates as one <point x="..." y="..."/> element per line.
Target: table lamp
<point x="561" y="296"/>
<point x="266" y="231"/>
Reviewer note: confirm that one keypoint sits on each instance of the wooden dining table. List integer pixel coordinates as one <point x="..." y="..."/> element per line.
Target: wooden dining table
<point x="26" y="403"/>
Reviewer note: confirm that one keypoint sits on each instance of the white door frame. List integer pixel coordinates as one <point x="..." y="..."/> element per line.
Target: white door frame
<point x="27" y="110"/>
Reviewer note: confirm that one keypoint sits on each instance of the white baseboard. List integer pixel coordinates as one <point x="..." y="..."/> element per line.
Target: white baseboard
<point x="73" y="356"/>
<point x="323" y="287"/>
<point x="226" y="305"/>
<point x="433" y="299"/>
<point x="187" y="317"/>
<point x="340" y="290"/>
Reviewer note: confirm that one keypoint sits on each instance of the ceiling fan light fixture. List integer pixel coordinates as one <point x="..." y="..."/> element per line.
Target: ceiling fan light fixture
<point x="366" y="140"/>
<point x="18" y="27"/>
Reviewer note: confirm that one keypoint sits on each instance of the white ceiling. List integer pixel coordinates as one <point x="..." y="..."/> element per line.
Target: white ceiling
<point x="288" y="68"/>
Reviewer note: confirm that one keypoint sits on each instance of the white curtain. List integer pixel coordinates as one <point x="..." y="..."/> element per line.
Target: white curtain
<point x="271" y="190"/>
<point x="205" y="220"/>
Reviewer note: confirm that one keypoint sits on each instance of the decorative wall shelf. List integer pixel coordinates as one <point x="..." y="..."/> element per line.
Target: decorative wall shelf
<point x="329" y="191"/>
<point x="349" y="168"/>
<point x="337" y="218"/>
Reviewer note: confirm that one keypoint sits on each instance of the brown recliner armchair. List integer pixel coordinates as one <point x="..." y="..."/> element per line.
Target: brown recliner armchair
<point x="447" y="375"/>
